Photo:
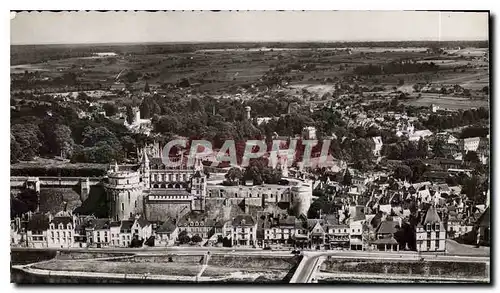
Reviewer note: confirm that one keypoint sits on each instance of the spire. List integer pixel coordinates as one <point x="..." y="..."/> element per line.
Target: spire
<point x="145" y="158"/>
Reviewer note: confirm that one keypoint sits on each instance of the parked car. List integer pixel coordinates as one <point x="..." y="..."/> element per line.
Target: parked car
<point x="268" y="248"/>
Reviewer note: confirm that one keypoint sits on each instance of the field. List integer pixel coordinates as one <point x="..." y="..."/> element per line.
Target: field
<point x="221" y="69"/>
<point x="453" y="103"/>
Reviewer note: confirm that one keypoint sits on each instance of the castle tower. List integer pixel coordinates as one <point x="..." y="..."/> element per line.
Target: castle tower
<point x="124" y="194"/>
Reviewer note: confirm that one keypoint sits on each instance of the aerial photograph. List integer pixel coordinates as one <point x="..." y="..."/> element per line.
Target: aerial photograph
<point x="255" y="147"/>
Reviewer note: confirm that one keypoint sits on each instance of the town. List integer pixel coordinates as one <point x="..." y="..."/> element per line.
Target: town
<point x="399" y="166"/>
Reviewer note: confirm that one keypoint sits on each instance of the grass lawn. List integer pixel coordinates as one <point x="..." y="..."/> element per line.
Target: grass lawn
<point x="120" y="267"/>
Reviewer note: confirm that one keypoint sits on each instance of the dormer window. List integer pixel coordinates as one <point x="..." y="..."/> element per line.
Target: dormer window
<point x="52" y="226"/>
<point x="61" y="226"/>
<point x="428" y="227"/>
<point x="69" y="226"/>
<point x="436" y="227"/>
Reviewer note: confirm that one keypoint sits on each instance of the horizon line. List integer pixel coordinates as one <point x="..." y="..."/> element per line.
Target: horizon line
<point x="246" y="42"/>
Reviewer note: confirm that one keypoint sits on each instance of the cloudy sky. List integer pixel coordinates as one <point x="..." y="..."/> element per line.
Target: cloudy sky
<point x="113" y="27"/>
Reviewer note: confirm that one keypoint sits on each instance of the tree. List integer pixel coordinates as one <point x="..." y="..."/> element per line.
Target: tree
<point x="347" y="179"/>
<point x="183" y="237"/>
<point x="403" y="172"/>
<point x="233" y="176"/>
<point x="471" y="157"/>
<point x="130" y="115"/>
<point x="438" y="148"/>
<point x="110" y="109"/>
<point x="422" y="148"/>
<point x="28" y="199"/>
<point x="150" y="241"/>
<point x="26" y="140"/>
<point x="146" y="87"/>
<point x="63" y="141"/>
<point x="196" y="239"/>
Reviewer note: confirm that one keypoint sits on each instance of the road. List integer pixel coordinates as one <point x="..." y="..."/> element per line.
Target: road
<point x="312" y="260"/>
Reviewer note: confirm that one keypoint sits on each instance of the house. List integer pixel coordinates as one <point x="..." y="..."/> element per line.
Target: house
<point x="80" y="232"/>
<point x="316" y="233"/>
<point x="470" y="144"/>
<point x="61" y="231"/>
<point x="36" y="231"/>
<point x="385" y="236"/>
<point x="16" y="232"/>
<point x="279" y="230"/>
<point x="430" y="233"/>
<point x="378" y="145"/>
<point x="196" y="223"/>
<point x="114" y="230"/>
<point x="417" y="135"/>
<point x="242" y="230"/>
<point x="126" y="233"/>
<point x="337" y="233"/>
<point x="142" y="228"/>
<point x="356" y="221"/>
<point x="98" y="233"/>
<point x="309" y="132"/>
<point x="457" y="225"/>
<point x="166" y="233"/>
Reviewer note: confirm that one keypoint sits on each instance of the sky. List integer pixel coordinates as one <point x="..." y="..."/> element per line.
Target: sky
<point x="254" y="26"/>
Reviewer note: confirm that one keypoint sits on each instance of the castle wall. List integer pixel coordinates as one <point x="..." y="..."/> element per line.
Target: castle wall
<point x="155" y="211"/>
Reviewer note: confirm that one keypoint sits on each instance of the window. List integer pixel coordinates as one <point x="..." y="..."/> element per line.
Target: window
<point x="437" y="244"/>
<point x="135" y="204"/>
<point x="436" y="227"/>
<point x="437" y="235"/>
<point x="52" y="234"/>
<point x="428" y="244"/>
<point x="428" y="235"/>
<point x="64" y="233"/>
<point x="123" y="206"/>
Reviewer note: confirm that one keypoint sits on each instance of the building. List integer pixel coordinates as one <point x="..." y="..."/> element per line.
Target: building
<point x="36" y="231"/>
<point x="337" y="234"/>
<point x="378" y="145"/>
<point x="316" y="233"/>
<point x="309" y="132"/>
<point x="470" y="144"/>
<point x="126" y="234"/>
<point x="385" y="236"/>
<point x="430" y="233"/>
<point x="99" y="233"/>
<point x="196" y="223"/>
<point x="279" y="231"/>
<point x="142" y="229"/>
<point x="61" y="231"/>
<point x="242" y="230"/>
<point x="166" y="233"/>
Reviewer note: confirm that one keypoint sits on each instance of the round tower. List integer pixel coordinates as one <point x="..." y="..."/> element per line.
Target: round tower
<point x="301" y="197"/>
<point x="124" y="192"/>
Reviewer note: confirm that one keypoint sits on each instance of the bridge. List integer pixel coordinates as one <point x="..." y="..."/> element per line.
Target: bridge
<point x="36" y="183"/>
